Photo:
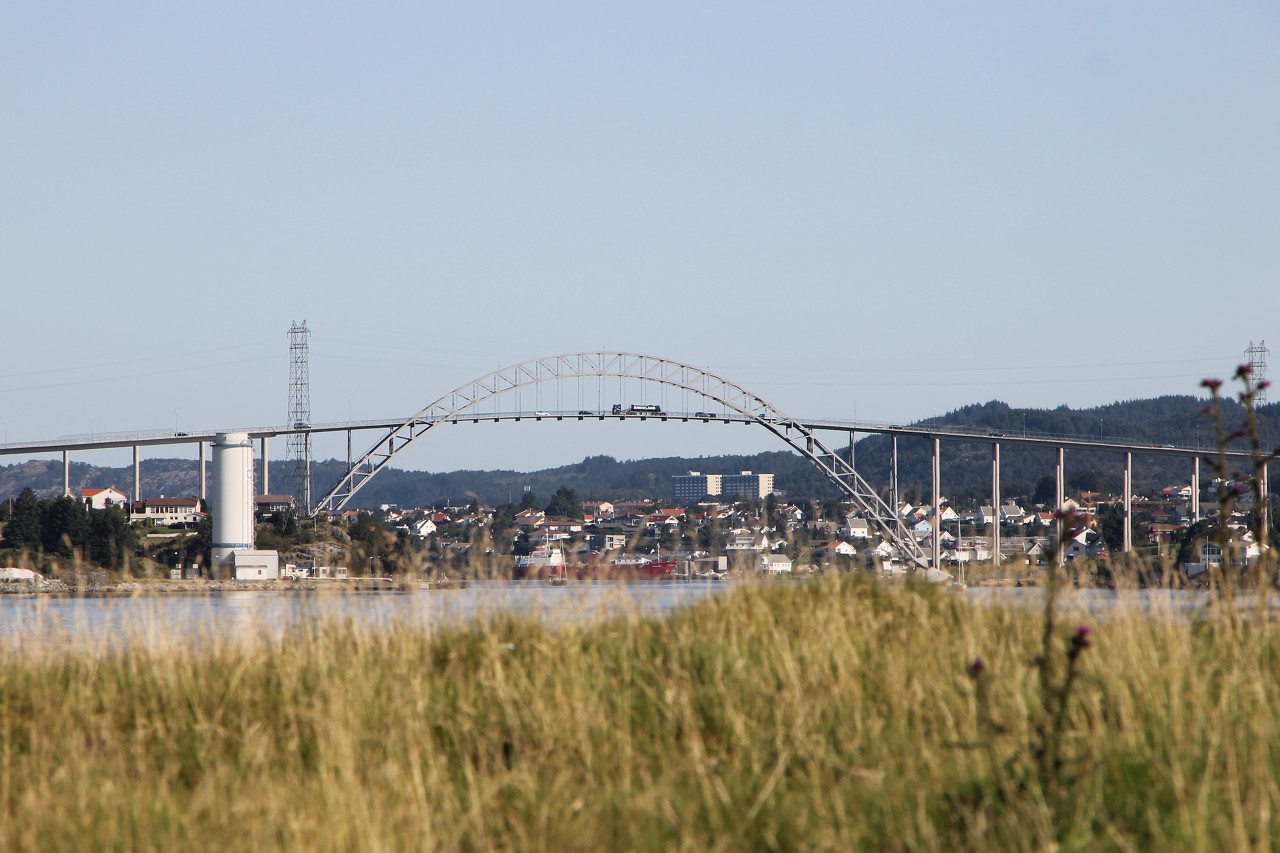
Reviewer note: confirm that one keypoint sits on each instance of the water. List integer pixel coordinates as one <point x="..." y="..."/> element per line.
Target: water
<point x="51" y="622"/>
<point x="45" y="622"/>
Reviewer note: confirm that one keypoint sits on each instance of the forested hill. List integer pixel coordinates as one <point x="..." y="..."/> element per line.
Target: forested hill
<point x="1176" y="420"/>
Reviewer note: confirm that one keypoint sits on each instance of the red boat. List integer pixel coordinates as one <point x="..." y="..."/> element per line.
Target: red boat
<point x="661" y="568"/>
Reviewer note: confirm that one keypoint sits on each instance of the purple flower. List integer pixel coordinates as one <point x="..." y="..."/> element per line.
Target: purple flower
<point x="1243" y="371"/>
<point x="1080" y="639"/>
<point x="1211" y="384"/>
<point x="976" y="668"/>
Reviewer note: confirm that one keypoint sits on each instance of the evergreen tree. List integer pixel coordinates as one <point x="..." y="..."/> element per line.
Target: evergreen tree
<point x="109" y="537"/>
<point x="63" y="527"/>
<point x="23" y="529"/>
<point x="565" y="503"/>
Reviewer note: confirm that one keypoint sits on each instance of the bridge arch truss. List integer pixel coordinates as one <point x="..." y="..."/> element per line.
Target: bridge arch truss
<point x="468" y="402"/>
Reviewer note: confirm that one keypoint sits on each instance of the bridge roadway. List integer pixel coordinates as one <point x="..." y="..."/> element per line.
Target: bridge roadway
<point x="949" y="433"/>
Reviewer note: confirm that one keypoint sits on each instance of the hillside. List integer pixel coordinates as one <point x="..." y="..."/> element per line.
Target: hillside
<point x="1174" y="420"/>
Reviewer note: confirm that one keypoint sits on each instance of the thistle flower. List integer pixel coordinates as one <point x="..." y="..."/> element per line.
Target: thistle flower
<point x="976" y="668"/>
<point x="1080" y="639"/>
<point x="1211" y="384"/>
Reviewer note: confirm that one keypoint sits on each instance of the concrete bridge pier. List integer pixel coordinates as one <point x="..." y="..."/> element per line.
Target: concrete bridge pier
<point x="1195" y="490"/>
<point x="995" y="502"/>
<point x="266" y="477"/>
<point x="893" y="475"/>
<point x="137" y="475"/>
<point x="937" y="499"/>
<point x="66" y="473"/>
<point x="204" y="492"/>
<point x="1265" y="482"/>
<point x="1061" y="499"/>
<point x="1128" y="501"/>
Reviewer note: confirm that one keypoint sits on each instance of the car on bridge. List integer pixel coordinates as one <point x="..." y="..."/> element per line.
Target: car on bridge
<point x="542" y="414"/>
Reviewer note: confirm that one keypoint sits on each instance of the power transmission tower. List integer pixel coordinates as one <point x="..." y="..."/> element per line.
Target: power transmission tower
<point x="299" y="453"/>
<point x="1257" y="356"/>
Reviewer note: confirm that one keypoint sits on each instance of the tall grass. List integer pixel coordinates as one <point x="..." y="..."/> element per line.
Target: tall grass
<point x="836" y="714"/>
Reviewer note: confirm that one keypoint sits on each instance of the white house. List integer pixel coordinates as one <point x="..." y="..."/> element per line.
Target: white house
<point x="103" y="498"/>
<point x="774" y="564"/>
<point x="856" y="528"/>
<point x="838" y="549"/>
<point x="745" y="540"/>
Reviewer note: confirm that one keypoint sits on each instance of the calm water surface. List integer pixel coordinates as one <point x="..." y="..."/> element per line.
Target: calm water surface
<point x="51" y="621"/>
<point x="48" y="622"/>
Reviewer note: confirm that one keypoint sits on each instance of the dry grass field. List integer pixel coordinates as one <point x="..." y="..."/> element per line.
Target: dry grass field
<point x="832" y="714"/>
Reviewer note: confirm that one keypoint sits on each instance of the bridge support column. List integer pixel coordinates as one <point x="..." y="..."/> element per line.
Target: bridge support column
<point x="995" y="503"/>
<point x="349" y="449"/>
<point x="937" y="499"/>
<point x="1195" y="490"/>
<point x="1128" y="501"/>
<point x="266" y="475"/>
<point x="1265" y="483"/>
<point x="137" y="475"/>
<point x="853" y="450"/>
<point x="893" y="474"/>
<point x="204" y="487"/>
<point x="66" y="473"/>
<point x="1059" y="528"/>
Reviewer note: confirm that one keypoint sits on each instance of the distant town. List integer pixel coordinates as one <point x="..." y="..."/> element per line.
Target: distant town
<point x="711" y="523"/>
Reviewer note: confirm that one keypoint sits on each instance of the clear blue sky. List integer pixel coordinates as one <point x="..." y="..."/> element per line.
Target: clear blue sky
<point x="882" y="210"/>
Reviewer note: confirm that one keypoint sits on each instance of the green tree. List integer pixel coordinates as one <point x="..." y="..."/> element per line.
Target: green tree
<point x="23" y="529"/>
<point x="63" y="526"/>
<point x="565" y="503"/>
<point x="529" y="501"/>
<point x="1111" y="527"/>
<point x="109" y="538"/>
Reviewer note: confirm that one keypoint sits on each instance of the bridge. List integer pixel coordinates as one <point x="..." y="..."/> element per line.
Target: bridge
<point x="582" y="387"/>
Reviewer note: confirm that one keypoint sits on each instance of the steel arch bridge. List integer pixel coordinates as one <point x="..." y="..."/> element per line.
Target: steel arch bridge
<point x="467" y="401"/>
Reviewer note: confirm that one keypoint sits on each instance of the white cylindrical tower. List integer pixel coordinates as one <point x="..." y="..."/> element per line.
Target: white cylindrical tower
<point x="232" y="496"/>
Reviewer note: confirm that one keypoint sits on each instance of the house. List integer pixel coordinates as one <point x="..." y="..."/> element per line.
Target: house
<point x="1086" y="543"/>
<point x="856" y="528"/>
<point x="103" y="498"/>
<point x="745" y="540"/>
<point x="822" y="528"/>
<point x="166" y="512"/>
<point x="774" y="564"/>
<point x="269" y="506"/>
<point x="529" y="518"/>
<point x="607" y="541"/>
<point x="422" y="528"/>
<point x="838" y="549"/>
<point x="792" y="516"/>
<point x="597" y="508"/>
<point x="1162" y="533"/>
